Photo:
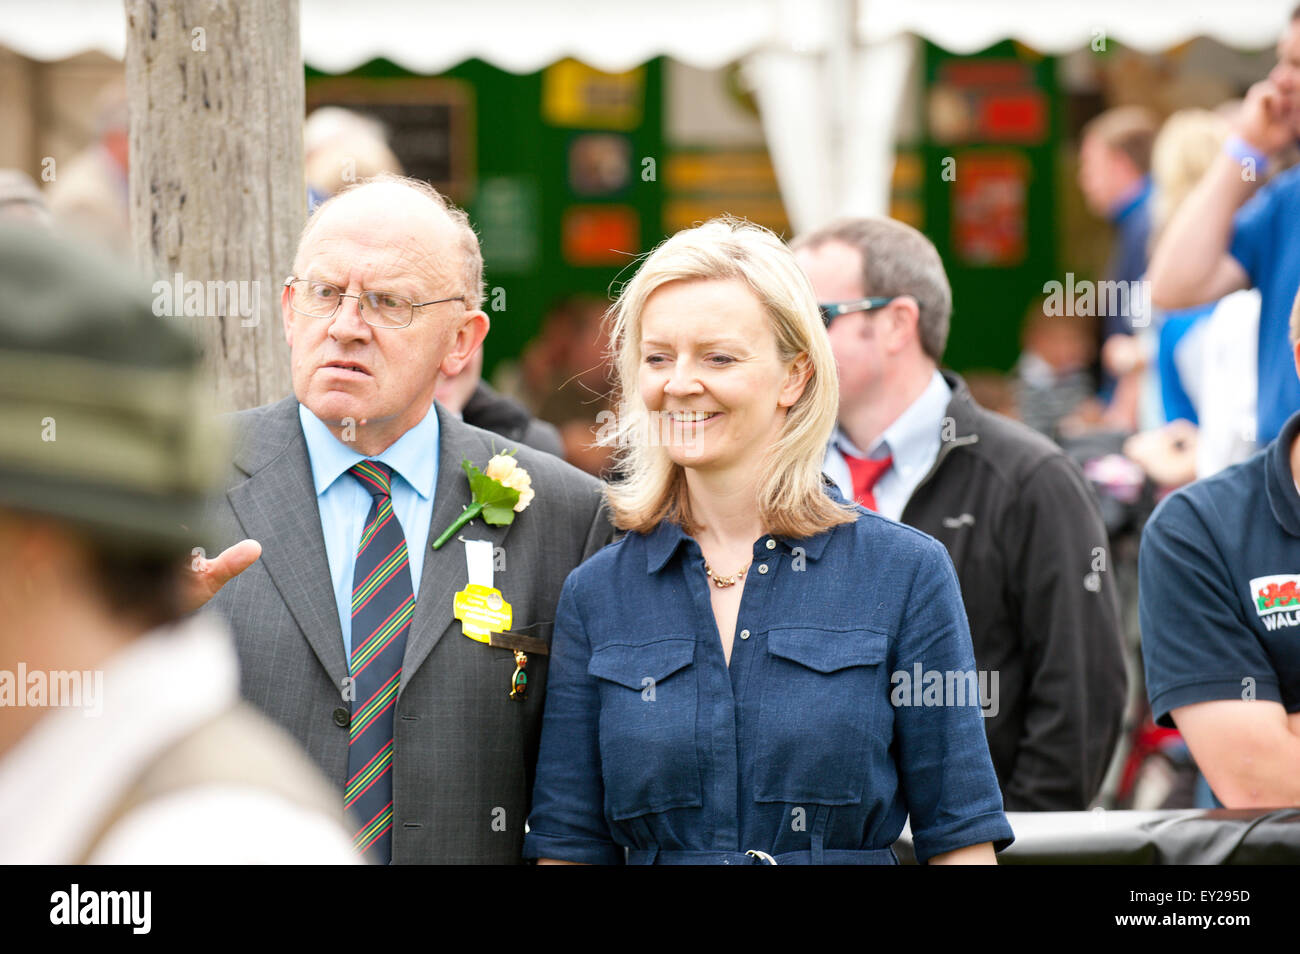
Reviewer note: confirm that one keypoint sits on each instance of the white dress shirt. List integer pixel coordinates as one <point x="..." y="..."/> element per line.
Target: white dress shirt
<point x="1229" y="380"/>
<point x="75" y="765"/>
<point x="913" y="440"/>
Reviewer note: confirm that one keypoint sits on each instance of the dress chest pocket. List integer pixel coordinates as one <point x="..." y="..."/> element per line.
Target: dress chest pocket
<point x="649" y="699"/>
<point x="825" y="704"/>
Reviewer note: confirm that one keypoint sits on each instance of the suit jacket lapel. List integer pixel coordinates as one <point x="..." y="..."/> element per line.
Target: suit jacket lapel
<point x="445" y="572"/>
<point x="277" y="507"/>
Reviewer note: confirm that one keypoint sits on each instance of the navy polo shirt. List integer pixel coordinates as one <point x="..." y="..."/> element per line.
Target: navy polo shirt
<point x="809" y="742"/>
<point x="1219" y="596"/>
<point x="1266" y="242"/>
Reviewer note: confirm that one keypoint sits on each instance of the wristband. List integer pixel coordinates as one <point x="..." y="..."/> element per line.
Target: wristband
<point x="1239" y="149"/>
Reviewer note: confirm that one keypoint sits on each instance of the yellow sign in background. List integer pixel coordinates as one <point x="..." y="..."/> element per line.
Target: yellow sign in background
<point x="576" y="95"/>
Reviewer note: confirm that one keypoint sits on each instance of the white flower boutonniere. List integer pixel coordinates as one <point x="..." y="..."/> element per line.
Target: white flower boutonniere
<point x="499" y="491"/>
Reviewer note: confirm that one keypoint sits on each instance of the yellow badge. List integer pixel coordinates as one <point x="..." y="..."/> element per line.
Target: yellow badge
<point x="481" y="611"/>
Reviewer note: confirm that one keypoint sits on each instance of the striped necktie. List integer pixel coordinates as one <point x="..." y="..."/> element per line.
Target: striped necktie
<point x="382" y="602"/>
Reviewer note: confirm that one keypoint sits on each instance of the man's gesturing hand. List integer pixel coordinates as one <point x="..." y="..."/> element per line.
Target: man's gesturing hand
<point x="208" y="576"/>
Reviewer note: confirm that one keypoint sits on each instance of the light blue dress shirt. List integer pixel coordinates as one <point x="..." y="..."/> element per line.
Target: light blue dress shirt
<point x="344" y="503"/>
<point x="912" y="440"/>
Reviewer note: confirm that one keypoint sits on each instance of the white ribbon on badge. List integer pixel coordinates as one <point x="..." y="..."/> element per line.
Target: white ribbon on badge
<point x="478" y="561"/>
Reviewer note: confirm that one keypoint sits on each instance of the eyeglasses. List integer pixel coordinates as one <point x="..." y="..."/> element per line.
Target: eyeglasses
<point x="317" y="299"/>
<point x="832" y="310"/>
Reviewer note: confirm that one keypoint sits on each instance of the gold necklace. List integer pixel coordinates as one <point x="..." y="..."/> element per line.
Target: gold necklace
<point x="725" y="581"/>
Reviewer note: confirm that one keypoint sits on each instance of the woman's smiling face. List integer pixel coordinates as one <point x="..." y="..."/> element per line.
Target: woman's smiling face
<point x="711" y="377"/>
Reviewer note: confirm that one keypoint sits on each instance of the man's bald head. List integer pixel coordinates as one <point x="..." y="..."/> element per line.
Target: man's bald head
<point x="389" y="201"/>
<point x="387" y="236"/>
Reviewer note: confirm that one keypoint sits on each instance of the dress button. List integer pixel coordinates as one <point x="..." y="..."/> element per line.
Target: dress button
<point x="762" y="568"/>
<point x="744" y="634"/>
<point x="771" y="544"/>
<point x="342" y="717"/>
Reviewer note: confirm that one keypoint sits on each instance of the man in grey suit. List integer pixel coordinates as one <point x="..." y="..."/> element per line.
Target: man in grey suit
<point x="461" y="751"/>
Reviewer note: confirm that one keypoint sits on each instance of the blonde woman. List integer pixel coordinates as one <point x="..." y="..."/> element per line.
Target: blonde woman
<point x="1187" y="144"/>
<point x="727" y="683"/>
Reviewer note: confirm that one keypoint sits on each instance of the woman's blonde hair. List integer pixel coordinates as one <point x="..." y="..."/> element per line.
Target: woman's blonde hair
<point x="1188" y="142"/>
<point x="792" y="500"/>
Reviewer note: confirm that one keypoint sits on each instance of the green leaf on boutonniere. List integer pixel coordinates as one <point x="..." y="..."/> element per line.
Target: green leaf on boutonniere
<point x="497" y="500"/>
<point x="490" y="498"/>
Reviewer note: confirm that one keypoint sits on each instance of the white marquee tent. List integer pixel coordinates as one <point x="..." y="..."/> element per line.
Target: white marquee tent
<point x="828" y="74"/>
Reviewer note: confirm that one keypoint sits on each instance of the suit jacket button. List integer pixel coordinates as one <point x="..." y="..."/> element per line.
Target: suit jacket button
<point x="342" y="717"/>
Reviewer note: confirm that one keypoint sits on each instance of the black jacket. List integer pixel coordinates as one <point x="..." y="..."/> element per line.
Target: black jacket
<point x="1025" y="533"/>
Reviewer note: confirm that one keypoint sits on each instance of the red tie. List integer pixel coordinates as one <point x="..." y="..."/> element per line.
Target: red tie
<point x="865" y="473"/>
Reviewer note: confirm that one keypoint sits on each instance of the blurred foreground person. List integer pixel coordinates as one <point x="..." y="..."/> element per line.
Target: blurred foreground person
<point x="719" y="693"/>
<point x="1220" y="612"/>
<point x="1016" y="514"/>
<point x="20" y="200"/>
<point x="123" y="738"/>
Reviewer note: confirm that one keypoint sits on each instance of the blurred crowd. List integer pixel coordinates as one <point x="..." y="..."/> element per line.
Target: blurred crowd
<point x="1177" y="380"/>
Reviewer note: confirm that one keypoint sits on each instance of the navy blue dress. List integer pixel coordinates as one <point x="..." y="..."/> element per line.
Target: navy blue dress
<point x="838" y="717"/>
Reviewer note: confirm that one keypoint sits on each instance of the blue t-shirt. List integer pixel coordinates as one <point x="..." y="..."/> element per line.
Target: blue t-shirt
<point x="834" y="722"/>
<point x="1219" y="590"/>
<point x="1266" y="241"/>
<point x="1178" y="403"/>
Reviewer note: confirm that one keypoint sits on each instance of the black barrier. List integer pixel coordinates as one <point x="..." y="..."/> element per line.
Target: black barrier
<point x="1223" y="836"/>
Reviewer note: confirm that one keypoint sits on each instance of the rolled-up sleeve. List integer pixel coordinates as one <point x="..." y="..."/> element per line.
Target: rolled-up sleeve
<point x="945" y="771"/>
<point x="568" y="819"/>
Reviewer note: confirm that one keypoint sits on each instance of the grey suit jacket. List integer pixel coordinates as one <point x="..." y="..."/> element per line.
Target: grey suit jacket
<point x="465" y="752"/>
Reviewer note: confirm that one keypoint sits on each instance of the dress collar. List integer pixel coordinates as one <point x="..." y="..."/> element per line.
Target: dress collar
<point x="1283" y="498"/>
<point x="663" y="541"/>
<point x="409" y="455"/>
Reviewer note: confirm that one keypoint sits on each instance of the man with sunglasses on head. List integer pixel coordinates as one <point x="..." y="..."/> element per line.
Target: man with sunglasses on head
<point x="1018" y="518"/>
<point x="348" y="625"/>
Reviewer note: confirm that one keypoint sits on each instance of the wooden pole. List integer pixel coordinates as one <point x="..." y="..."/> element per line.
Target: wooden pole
<point x="217" y="193"/>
